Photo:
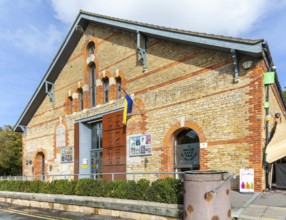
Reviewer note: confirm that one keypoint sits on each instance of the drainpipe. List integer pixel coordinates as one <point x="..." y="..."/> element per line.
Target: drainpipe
<point x="270" y="67"/>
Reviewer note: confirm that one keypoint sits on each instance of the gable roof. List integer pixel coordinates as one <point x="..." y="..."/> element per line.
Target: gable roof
<point x="255" y="48"/>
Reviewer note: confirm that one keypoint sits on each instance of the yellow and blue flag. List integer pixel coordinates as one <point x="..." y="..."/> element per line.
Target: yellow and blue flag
<point x="128" y="102"/>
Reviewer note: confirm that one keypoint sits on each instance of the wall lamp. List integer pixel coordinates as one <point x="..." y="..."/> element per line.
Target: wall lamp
<point x="277" y="115"/>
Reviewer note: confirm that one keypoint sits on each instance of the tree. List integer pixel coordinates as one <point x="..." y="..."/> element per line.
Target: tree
<point x="10" y="151"/>
<point x="284" y="95"/>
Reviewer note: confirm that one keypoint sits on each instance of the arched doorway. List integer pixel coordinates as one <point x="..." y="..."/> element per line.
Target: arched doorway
<point x="39" y="166"/>
<point x="187" y="151"/>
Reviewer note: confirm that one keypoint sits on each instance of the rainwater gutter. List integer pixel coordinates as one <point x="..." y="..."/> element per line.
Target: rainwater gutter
<point x="270" y="67"/>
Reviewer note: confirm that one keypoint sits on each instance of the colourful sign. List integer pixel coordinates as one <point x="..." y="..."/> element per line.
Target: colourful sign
<point x="67" y="154"/>
<point x="140" y="145"/>
<point x="246" y="180"/>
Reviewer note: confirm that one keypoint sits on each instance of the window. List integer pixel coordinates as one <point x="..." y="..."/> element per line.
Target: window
<point x="93" y="84"/>
<point x="187" y="150"/>
<point x="96" y="148"/>
<point x="96" y="136"/>
<point x="70" y="104"/>
<point x="118" y="87"/>
<point x="80" y="97"/>
<point x="91" y="47"/>
<point x="105" y="90"/>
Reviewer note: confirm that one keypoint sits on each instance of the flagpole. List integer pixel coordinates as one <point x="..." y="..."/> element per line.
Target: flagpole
<point x="133" y="101"/>
<point x="138" y="108"/>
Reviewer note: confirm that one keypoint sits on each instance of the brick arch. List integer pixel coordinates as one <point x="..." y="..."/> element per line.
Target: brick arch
<point x="167" y="162"/>
<point x="86" y="82"/>
<point x="57" y="150"/>
<point x="39" y="155"/>
<point x="104" y="74"/>
<point x="87" y="43"/>
<point x="119" y="74"/>
<point x="40" y="150"/>
<point x="87" y="71"/>
<point x="75" y="101"/>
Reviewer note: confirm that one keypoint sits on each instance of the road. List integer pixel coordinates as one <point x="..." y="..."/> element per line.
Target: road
<point x="13" y="212"/>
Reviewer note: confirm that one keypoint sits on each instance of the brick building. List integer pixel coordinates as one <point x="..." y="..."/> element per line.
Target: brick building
<point x="198" y="102"/>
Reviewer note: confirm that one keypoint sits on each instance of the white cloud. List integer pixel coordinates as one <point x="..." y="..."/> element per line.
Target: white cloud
<point x="226" y="17"/>
<point x="32" y="40"/>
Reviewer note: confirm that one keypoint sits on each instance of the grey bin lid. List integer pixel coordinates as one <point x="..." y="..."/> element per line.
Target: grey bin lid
<point x="206" y="175"/>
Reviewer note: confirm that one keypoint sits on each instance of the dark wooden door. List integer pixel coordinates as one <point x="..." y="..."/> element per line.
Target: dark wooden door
<point x="113" y="145"/>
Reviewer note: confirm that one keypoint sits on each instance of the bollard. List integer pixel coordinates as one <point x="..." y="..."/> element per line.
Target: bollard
<point x="207" y="195"/>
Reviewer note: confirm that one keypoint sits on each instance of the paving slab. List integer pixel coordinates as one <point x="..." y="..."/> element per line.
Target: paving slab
<point x="274" y="213"/>
<point x="253" y="212"/>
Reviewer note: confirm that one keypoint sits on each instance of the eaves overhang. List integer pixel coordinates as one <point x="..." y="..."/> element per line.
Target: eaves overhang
<point x="250" y="47"/>
<point x="253" y="47"/>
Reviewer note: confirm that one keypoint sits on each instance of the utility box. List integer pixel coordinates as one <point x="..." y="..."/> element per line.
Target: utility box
<point x="269" y="78"/>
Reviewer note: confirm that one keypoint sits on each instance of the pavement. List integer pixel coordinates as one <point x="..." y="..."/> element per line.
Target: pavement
<point x="264" y="205"/>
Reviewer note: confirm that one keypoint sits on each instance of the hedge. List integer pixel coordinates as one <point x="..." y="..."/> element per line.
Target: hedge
<point x="167" y="190"/>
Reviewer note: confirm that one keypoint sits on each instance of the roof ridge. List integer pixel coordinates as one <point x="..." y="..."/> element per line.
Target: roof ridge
<point x="177" y="30"/>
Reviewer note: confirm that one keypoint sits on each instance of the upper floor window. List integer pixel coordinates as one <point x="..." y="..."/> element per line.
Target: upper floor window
<point x="92" y="84"/>
<point x="91" y="48"/>
<point x="118" y="87"/>
<point x="105" y="90"/>
<point x="80" y="99"/>
<point x="70" y="104"/>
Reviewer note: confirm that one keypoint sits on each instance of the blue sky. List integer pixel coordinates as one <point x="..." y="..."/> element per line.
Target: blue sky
<point x="31" y="32"/>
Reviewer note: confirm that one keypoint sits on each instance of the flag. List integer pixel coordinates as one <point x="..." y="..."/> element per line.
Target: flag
<point x="127" y="106"/>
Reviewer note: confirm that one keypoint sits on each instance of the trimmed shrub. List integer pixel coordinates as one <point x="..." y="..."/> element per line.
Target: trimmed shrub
<point x="4" y="185"/>
<point x="66" y="187"/>
<point x="166" y="191"/>
<point x="84" y="187"/>
<point x="142" y="189"/>
<point x="123" y="189"/>
<point x="33" y="186"/>
<point x="91" y="187"/>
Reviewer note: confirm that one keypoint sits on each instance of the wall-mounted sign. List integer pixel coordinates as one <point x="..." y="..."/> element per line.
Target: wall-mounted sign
<point x="269" y="78"/>
<point x="246" y="180"/>
<point x="187" y="155"/>
<point x="67" y="154"/>
<point x="140" y="145"/>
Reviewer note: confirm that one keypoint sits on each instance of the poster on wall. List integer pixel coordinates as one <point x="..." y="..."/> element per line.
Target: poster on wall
<point x="246" y="180"/>
<point x="140" y="145"/>
<point x="67" y="154"/>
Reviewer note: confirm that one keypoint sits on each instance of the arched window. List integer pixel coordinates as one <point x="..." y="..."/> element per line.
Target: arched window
<point x="105" y="90"/>
<point x="118" y="87"/>
<point x="187" y="151"/>
<point x="80" y="99"/>
<point x="91" y="48"/>
<point x="92" y="84"/>
<point x="70" y="104"/>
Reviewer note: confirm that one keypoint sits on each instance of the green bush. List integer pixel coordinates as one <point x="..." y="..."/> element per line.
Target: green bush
<point x="123" y="189"/>
<point x="33" y="186"/>
<point x="84" y="187"/>
<point x="91" y="187"/>
<point x="4" y="185"/>
<point x="142" y="189"/>
<point x="66" y="187"/>
<point x="167" y="190"/>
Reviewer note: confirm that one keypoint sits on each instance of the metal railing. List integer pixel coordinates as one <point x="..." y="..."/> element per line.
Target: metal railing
<point x="111" y="176"/>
